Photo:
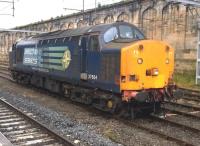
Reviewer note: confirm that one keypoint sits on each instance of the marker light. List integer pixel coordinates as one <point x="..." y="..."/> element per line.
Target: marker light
<point x="141" y="47"/>
<point x="167" y="48"/>
<point x="140" y="60"/>
<point x="167" y="61"/>
<point x="155" y="72"/>
<point x="123" y="79"/>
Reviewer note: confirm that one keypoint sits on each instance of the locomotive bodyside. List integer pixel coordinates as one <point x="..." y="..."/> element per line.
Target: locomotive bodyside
<point x="63" y="61"/>
<point x="108" y="66"/>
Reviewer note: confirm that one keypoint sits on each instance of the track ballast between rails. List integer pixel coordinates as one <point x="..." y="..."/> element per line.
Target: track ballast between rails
<point x="21" y="129"/>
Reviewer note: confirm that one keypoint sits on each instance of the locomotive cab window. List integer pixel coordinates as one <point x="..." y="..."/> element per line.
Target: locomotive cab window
<point x="111" y="35"/>
<point x="94" y="43"/>
<point x="20" y="54"/>
<point x="128" y="32"/>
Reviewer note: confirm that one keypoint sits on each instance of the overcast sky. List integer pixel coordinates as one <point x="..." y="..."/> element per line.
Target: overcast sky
<point x="29" y="11"/>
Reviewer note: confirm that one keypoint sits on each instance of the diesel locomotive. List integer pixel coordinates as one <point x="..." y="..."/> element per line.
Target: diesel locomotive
<point x="112" y="67"/>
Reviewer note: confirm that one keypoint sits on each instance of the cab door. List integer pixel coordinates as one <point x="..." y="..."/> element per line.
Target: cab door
<point x="93" y="58"/>
<point x="83" y="57"/>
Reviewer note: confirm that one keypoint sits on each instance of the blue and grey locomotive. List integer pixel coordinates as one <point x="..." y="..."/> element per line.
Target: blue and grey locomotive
<point x="107" y="66"/>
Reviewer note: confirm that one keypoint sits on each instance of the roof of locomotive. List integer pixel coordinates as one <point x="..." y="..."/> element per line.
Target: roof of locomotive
<point x="101" y="28"/>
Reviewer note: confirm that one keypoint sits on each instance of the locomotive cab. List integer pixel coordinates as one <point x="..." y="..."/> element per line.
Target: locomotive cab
<point x="146" y="66"/>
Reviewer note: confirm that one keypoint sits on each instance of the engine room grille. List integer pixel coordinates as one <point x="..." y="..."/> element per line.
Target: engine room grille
<point x="110" y="67"/>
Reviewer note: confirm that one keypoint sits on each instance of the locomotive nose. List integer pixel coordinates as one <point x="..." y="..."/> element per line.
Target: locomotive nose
<point x="150" y="62"/>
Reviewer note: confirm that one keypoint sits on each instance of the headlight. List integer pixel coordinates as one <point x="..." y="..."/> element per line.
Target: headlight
<point x="140" y="61"/>
<point x="167" y="61"/>
<point x="155" y="72"/>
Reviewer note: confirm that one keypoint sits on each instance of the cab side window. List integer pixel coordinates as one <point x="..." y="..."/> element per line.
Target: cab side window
<point x="19" y="53"/>
<point x="94" y="43"/>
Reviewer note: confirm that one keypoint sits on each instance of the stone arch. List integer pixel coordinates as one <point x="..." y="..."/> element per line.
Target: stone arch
<point x="17" y="36"/>
<point x="44" y="28"/>
<point x="149" y="22"/>
<point x="96" y="21"/>
<point x="34" y="28"/>
<point x="71" y="25"/>
<point x="49" y="27"/>
<point x="56" y="26"/>
<point x="109" y="19"/>
<point x="123" y="17"/>
<point x="81" y="23"/>
<point x="64" y="26"/>
<point x="192" y="20"/>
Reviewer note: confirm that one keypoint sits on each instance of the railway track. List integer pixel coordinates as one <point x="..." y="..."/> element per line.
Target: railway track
<point x="187" y="111"/>
<point x="151" y="125"/>
<point x="183" y="105"/>
<point x="178" y="112"/>
<point x="190" y="92"/>
<point x="21" y="129"/>
<point x="156" y="132"/>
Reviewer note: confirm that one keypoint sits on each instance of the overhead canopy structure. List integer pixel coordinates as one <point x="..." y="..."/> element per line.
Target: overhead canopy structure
<point x="195" y="3"/>
<point x="15" y="30"/>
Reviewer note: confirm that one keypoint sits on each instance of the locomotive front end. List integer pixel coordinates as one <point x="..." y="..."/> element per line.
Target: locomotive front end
<point x="146" y="71"/>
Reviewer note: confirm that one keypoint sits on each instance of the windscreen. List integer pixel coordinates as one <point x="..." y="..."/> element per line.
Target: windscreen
<point x="123" y="32"/>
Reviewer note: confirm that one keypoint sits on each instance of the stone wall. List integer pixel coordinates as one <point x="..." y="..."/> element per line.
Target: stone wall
<point x="173" y="23"/>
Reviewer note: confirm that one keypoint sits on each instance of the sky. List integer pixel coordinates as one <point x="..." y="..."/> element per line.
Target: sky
<point x="30" y="11"/>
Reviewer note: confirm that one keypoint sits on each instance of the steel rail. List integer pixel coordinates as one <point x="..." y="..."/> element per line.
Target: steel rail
<point x="189" y="90"/>
<point x="181" y="113"/>
<point x="173" y="123"/>
<point x="38" y="124"/>
<point x="183" y="105"/>
<point x="156" y="132"/>
<point x="191" y="99"/>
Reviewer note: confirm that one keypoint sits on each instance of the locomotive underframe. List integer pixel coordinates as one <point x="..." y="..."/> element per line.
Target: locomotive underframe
<point x="102" y="100"/>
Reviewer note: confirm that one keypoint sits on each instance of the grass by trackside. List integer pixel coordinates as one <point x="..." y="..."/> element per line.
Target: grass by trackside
<point x="186" y="79"/>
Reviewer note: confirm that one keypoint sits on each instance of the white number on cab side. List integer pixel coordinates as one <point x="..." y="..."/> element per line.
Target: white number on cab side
<point x="92" y="77"/>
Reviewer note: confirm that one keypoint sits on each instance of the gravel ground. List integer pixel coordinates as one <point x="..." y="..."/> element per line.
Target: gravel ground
<point x="76" y="121"/>
<point x="171" y="130"/>
<point x="57" y="121"/>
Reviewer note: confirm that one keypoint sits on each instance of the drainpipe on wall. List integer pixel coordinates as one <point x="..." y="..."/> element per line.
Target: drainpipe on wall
<point x="149" y="7"/>
<point x="198" y="56"/>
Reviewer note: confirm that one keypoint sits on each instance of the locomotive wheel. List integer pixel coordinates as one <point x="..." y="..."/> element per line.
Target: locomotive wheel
<point x="81" y="97"/>
<point x="108" y="105"/>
